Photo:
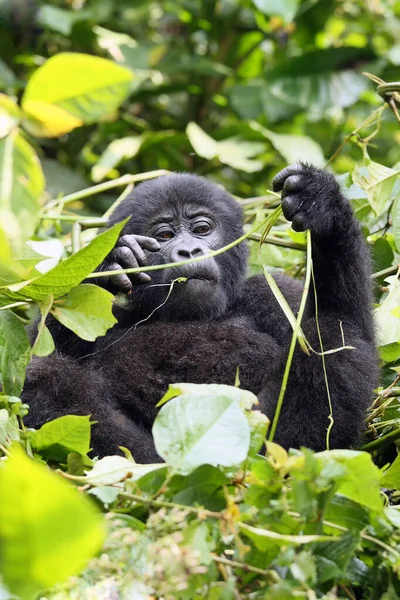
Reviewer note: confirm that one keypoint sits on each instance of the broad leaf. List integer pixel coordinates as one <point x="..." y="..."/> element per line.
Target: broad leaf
<point x="48" y="531"/>
<point x="391" y="477"/>
<point x="21" y="186"/>
<point x="71" y="271"/>
<point x="72" y="89"/>
<point x="378" y="181"/>
<point x="14" y="353"/>
<point x="112" y="469"/>
<point x="190" y="431"/>
<point x="87" y="311"/>
<point x="388" y="325"/>
<point x="356" y="475"/>
<point x="56" y="439"/>
<point x="293" y="147"/>
<point x="116" y="151"/>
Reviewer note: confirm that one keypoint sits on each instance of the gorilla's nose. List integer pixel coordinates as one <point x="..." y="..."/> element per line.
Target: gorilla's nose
<point x="184" y="252"/>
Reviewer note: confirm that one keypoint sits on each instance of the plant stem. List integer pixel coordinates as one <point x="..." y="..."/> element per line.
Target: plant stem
<point x="382" y="441"/>
<point x="165" y="504"/>
<point x="107" y="185"/>
<point x="294" y="339"/>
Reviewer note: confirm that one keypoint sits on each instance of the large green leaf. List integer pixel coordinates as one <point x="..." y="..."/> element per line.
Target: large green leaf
<point x="388" y="325"/>
<point x="356" y="475"/>
<point x="14" y="353"/>
<point x="235" y="152"/>
<point x="56" y="439"/>
<point x="194" y="430"/>
<point x="72" y="271"/>
<point x="48" y="531"/>
<point x="116" y="151"/>
<point x="87" y="311"/>
<point x="377" y="181"/>
<point x="21" y="186"/>
<point x="72" y="89"/>
<point x="293" y="147"/>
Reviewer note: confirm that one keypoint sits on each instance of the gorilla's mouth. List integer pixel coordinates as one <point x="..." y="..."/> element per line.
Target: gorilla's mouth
<point x="202" y="272"/>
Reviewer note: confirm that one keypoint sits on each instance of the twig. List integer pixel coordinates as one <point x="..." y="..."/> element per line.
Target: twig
<point x="245" y="567"/>
<point x="164" y="504"/>
<point x="275" y="241"/>
<point x="382" y="441"/>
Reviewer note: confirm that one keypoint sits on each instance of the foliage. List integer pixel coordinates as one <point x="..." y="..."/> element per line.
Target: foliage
<point x="93" y="92"/>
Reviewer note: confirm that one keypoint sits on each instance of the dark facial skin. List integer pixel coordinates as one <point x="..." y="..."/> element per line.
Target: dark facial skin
<point x="177" y="234"/>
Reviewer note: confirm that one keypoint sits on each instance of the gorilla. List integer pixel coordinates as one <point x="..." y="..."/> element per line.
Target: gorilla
<point x="216" y="321"/>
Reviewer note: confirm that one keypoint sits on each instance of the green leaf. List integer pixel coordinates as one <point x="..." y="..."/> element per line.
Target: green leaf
<point x="71" y="271"/>
<point x="21" y="186"/>
<point x="87" y="311"/>
<point x="116" y="151"/>
<point x="202" y="487"/>
<point x="44" y="343"/>
<point x="190" y="431"/>
<point x="72" y="89"/>
<point x="10" y="115"/>
<point x="355" y="474"/>
<point x="245" y="398"/>
<point x="203" y="144"/>
<point x="377" y="181"/>
<point x="286" y="9"/>
<point x="264" y="538"/>
<point x="112" y="469"/>
<point x="293" y="147"/>
<point x="391" y="477"/>
<point x="60" y="20"/>
<point x="395" y="216"/>
<point x="56" y="439"/>
<point x="388" y="325"/>
<point x="234" y="151"/>
<point x="14" y="353"/>
<point x="48" y="531"/>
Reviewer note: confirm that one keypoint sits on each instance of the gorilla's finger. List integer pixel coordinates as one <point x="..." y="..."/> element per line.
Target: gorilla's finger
<point x="148" y="243"/>
<point x="125" y="257"/>
<point x="292" y="184"/>
<point x="279" y="180"/>
<point x="298" y="223"/>
<point x="290" y="206"/>
<point x="120" y="281"/>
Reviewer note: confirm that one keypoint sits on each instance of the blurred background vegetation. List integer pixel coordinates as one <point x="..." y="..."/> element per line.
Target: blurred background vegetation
<point x="293" y="66"/>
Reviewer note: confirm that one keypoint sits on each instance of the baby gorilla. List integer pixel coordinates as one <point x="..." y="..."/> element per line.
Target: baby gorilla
<point x="217" y="321"/>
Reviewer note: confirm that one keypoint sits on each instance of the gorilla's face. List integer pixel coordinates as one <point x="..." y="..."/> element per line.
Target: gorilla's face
<point x="184" y="233"/>
<point x="189" y="217"/>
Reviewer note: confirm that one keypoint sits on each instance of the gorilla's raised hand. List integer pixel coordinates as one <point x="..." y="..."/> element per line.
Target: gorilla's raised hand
<point x="311" y="199"/>
<point x="128" y="254"/>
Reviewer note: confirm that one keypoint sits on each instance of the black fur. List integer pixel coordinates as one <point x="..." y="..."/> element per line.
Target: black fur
<point x="218" y="321"/>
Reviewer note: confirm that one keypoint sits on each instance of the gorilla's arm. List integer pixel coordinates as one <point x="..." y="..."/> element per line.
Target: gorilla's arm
<point x="312" y="199"/>
<point x="58" y="385"/>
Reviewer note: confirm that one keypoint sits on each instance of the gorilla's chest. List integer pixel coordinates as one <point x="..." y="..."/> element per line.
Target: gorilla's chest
<point x="158" y="354"/>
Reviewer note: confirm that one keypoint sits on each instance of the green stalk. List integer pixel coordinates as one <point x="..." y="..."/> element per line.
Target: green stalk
<point x="295" y="334"/>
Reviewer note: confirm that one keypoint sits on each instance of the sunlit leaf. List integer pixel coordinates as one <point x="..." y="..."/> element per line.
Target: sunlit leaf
<point x="79" y="89"/>
<point x="14" y="353"/>
<point x="48" y="531"/>
<point x="87" y="311"/>
<point x="57" y="438"/>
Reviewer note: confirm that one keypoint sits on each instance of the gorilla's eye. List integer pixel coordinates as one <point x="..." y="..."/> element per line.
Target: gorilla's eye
<point x="165" y="234"/>
<point x="202" y="228"/>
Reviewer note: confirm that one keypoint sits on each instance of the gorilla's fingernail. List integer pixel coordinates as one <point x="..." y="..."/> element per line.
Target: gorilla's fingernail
<point x="144" y="278"/>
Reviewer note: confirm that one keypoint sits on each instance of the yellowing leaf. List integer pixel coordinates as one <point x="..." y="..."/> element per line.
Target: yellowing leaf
<point x="48" y="120"/>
